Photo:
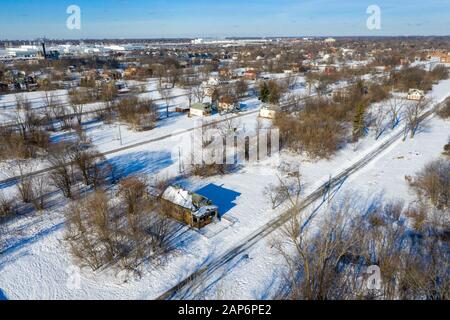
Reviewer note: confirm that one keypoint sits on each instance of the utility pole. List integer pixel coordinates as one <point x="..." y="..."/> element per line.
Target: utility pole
<point x="329" y="191"/>
<point x="120" y="135"/>
<point x="180" y="161"/>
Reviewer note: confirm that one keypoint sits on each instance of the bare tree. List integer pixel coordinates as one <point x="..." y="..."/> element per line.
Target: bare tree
<point x="124" y="233"/>
<point x="63" y="174"/>
<point x="40" y="189"/>
<point x="77" y="110"/>
<point x="50" y="103"/>
<point x="313" y="269"/>
<point x="87" y="163"/>
<point x="229" y="126"/>
<point x="290" y="81"/>
<point x="199" y="93"/>
<point x="7" y="206"/>
<point x="433" y="183"/>
<point x="24" y="185"/>
<point x="413" y="114"/>
<point x="241" y="88"/>
<point x="396" y="104"/>
<point x="288" y="188"/>
<point x="190" y="94"/>
<point x="379" y="117"/>
<point x="22" y="102"/>
<point x="141" y="114"/>
<point x="88" y="232"/>
<point x="167" y="96"/>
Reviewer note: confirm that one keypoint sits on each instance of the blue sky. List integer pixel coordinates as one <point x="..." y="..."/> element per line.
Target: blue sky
<point x="28" y="19"/>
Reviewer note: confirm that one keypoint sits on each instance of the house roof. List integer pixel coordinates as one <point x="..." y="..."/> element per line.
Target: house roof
<point x="204" y="211"/>
<point x="416" y="91"/>
<point x="270" y="106"/>
<point x="197" y="204"/>
<point x="178" y="196"/>
<point x="199" y="106"/>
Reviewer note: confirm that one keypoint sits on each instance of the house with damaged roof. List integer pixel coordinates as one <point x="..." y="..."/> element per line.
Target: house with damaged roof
<point x="188" y="207"/>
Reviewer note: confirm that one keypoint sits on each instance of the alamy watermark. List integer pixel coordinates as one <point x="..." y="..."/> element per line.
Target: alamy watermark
<point x="74" y="20"/>
<point x="374" y="20"/>
<point x="374" y="280"/>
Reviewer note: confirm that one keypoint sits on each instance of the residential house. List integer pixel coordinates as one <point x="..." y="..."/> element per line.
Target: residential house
<point x="225" y="73"/>
<point x="404" y="62"/>
<point x="327" y="68"/>
<point x="130" y="72"/>
<point x="227" y="103"/>
<point x="188" y="207"/>
<point x="415" y="94"/>
<point x="340" y="94"/>
<point x="269" y="111"/>
<point x="443" y="57"/>
<point x="250" y="74"/>
<point x="182" y="109"/>
<point x="200" y="110"/>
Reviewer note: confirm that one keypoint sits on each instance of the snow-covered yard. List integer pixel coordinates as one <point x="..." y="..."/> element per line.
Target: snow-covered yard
<point x="37" y="264"/>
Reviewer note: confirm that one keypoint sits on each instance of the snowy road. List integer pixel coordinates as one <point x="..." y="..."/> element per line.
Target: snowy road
<point x="204" y="277"/>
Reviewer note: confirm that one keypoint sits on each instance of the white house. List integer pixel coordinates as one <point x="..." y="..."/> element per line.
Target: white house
<point x="269" y="111"/>
<point x="415" y="94"/>
<point x="200" y="110"/>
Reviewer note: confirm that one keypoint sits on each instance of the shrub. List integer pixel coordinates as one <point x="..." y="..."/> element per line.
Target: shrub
<point x="433" y="183"/>
<point x="447" y="150"/>
<point x="7" y="207"/>
<point x="412" y="77"/>
<point x="140" y="114"/>
<point x="440" y="72"/>
<point x="444" y="112"/>
<point x="124" y="230"/>
<point x="378" y="93"/>
<point x="318" y="130"/>
<point x="24" y="144"/>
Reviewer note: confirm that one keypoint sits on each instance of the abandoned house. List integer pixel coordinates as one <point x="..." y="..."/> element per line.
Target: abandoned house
<point x="188" y="207"/>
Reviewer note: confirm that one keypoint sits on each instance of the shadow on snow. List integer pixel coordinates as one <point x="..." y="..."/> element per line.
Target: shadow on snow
<point x="140" y="162"/>
<point x="220" y="196"/>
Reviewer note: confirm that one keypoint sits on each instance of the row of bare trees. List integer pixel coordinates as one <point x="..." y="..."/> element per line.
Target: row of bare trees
<point x="335" y="262"/>
<point x="444" y="111"/>
<point x="26" y="138"/>
<point x="73" y="168"/>
<point x="318" y="129"/>
<point x="140" y="114"/>
<point x="417" y="78"/>
<point x="433" y="184"/>
<point x="407" y="244"/>
<point x="125" y="228"/>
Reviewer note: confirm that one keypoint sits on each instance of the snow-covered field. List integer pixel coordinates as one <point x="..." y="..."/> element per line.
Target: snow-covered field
<point x="37" y="264"/>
